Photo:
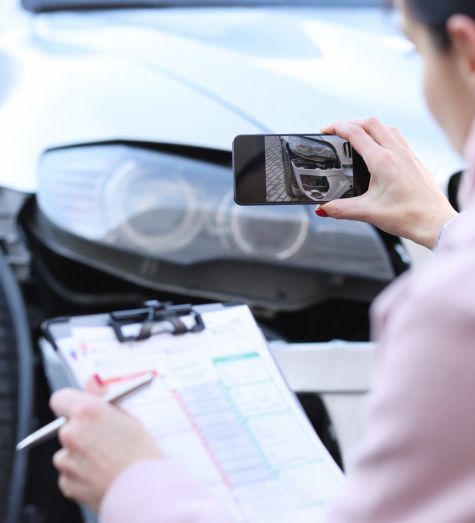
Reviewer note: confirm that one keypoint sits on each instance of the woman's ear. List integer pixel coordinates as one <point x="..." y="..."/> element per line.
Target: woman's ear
<point x="461" y="29"/>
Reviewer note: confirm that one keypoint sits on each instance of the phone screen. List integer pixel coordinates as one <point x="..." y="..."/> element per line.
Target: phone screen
<point x="296" y="169"/>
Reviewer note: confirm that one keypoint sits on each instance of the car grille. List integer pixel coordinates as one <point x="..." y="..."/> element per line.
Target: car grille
<point x="312" y="183"/>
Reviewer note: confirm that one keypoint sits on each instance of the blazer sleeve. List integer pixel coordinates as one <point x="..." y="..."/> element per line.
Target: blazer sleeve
<point x="158" y="491"/>
<point x="417" y="461"/>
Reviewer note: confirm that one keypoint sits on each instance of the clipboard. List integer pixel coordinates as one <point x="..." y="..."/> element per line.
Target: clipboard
<point x="220" y="405"/>
<point x="152" y="312"/>
<point x="53" y="330"/>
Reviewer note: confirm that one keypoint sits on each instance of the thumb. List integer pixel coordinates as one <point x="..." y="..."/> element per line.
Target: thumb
<point x="95" y="385"/>
<point x="344" y="209"/>
<point x="66" y="402"/>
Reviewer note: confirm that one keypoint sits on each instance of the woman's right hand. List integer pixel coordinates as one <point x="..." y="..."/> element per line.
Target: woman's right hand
<point x="99" y="442"/>
<point x="403" y="198"/>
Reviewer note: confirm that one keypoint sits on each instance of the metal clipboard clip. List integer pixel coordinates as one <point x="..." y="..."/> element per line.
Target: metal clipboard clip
<point x="153" y="312"/>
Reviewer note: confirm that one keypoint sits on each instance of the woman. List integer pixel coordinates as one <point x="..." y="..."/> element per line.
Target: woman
<point x="417" y="462"/>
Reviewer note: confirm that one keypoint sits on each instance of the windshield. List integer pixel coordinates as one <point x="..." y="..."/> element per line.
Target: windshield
<point x="51" y="5"/>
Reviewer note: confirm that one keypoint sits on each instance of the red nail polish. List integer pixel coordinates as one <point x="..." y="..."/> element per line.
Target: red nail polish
<point x="98" y="380"/>
<point x="322" y="213"/>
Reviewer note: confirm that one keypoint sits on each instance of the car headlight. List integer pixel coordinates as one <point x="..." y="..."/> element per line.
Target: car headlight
<point x="311" y="148"/>
<point x="180" y="209"/>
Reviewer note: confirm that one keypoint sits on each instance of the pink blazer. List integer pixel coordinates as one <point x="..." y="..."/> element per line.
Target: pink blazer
<point x="416" y="463"/>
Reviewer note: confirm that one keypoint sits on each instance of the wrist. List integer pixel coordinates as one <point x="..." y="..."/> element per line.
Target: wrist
<point x="431" y="225"/>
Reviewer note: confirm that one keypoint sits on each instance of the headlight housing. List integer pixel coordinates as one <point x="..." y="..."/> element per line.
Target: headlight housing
<point x="311" y="148"/>
<point x="158" y="204"/>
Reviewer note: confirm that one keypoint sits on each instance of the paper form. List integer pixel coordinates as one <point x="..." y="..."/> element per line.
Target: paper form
<point x="220" y="407"/>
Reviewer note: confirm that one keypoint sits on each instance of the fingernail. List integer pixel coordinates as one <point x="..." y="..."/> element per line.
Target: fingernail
<point x="321" y="212"/>
<point x="98" y="380"/>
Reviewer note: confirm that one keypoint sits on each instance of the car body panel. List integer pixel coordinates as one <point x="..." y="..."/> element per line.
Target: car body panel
<point x="231" y="71"/>
<point x="199" y="77"/>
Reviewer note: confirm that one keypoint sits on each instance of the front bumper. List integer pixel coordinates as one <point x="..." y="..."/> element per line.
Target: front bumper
<point x="322" y="184"/>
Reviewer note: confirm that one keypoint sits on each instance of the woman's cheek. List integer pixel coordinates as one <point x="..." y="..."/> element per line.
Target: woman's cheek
<point x="441" y="97"/>
<point x="449" y="99"/>
<point x="431" y="88"/>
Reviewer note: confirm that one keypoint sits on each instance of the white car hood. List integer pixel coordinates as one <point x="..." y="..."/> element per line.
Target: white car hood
<point x="202" y="76"/>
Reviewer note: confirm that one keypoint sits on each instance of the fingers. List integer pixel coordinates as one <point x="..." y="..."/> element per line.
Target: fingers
<point x="74" y="488"/>
<point x="399" y="137"/>
<point x="95" y="385"/>
<point x="387" y="137"/>
<point x="80" y="491"/>
<point x="361" y="141"/>
<point x="60" y="459"/>
<point x="70" y="436"/>
<point x="72" y="402"/>
<point x="347" y="209"/>
<point x="63" y="461"/>
<point x="329" y="128"/>
<point x="66" y="485"/>
<point x="382" y="134"/>
<point x="68" y="470"/>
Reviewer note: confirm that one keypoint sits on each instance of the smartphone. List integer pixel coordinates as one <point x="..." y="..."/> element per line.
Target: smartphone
<point x="296" y="169"/>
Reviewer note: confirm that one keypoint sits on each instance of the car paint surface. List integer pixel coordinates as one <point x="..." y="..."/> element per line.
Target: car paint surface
<point x="200" y="76"/>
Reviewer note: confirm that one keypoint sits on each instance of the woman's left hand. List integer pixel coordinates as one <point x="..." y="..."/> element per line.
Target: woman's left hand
<point x="403" y="198"/>
<point x="99" y="442"/>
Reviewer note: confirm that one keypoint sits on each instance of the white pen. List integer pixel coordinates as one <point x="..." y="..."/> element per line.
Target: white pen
<point x="51" y="429"/>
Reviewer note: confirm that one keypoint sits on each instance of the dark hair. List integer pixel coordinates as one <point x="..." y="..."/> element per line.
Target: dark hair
<point x="435" y="14"/>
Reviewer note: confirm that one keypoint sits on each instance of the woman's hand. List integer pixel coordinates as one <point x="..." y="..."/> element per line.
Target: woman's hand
<point x="403" y="198"/>
<point x="99" y="442"/>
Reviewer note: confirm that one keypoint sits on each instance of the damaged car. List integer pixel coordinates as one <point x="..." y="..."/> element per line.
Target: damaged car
<point x="315" y="168"/>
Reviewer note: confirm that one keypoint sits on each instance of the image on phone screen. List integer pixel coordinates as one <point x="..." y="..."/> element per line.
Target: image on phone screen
<point x="315" y="167"/>
<point x="296" y="169"/>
